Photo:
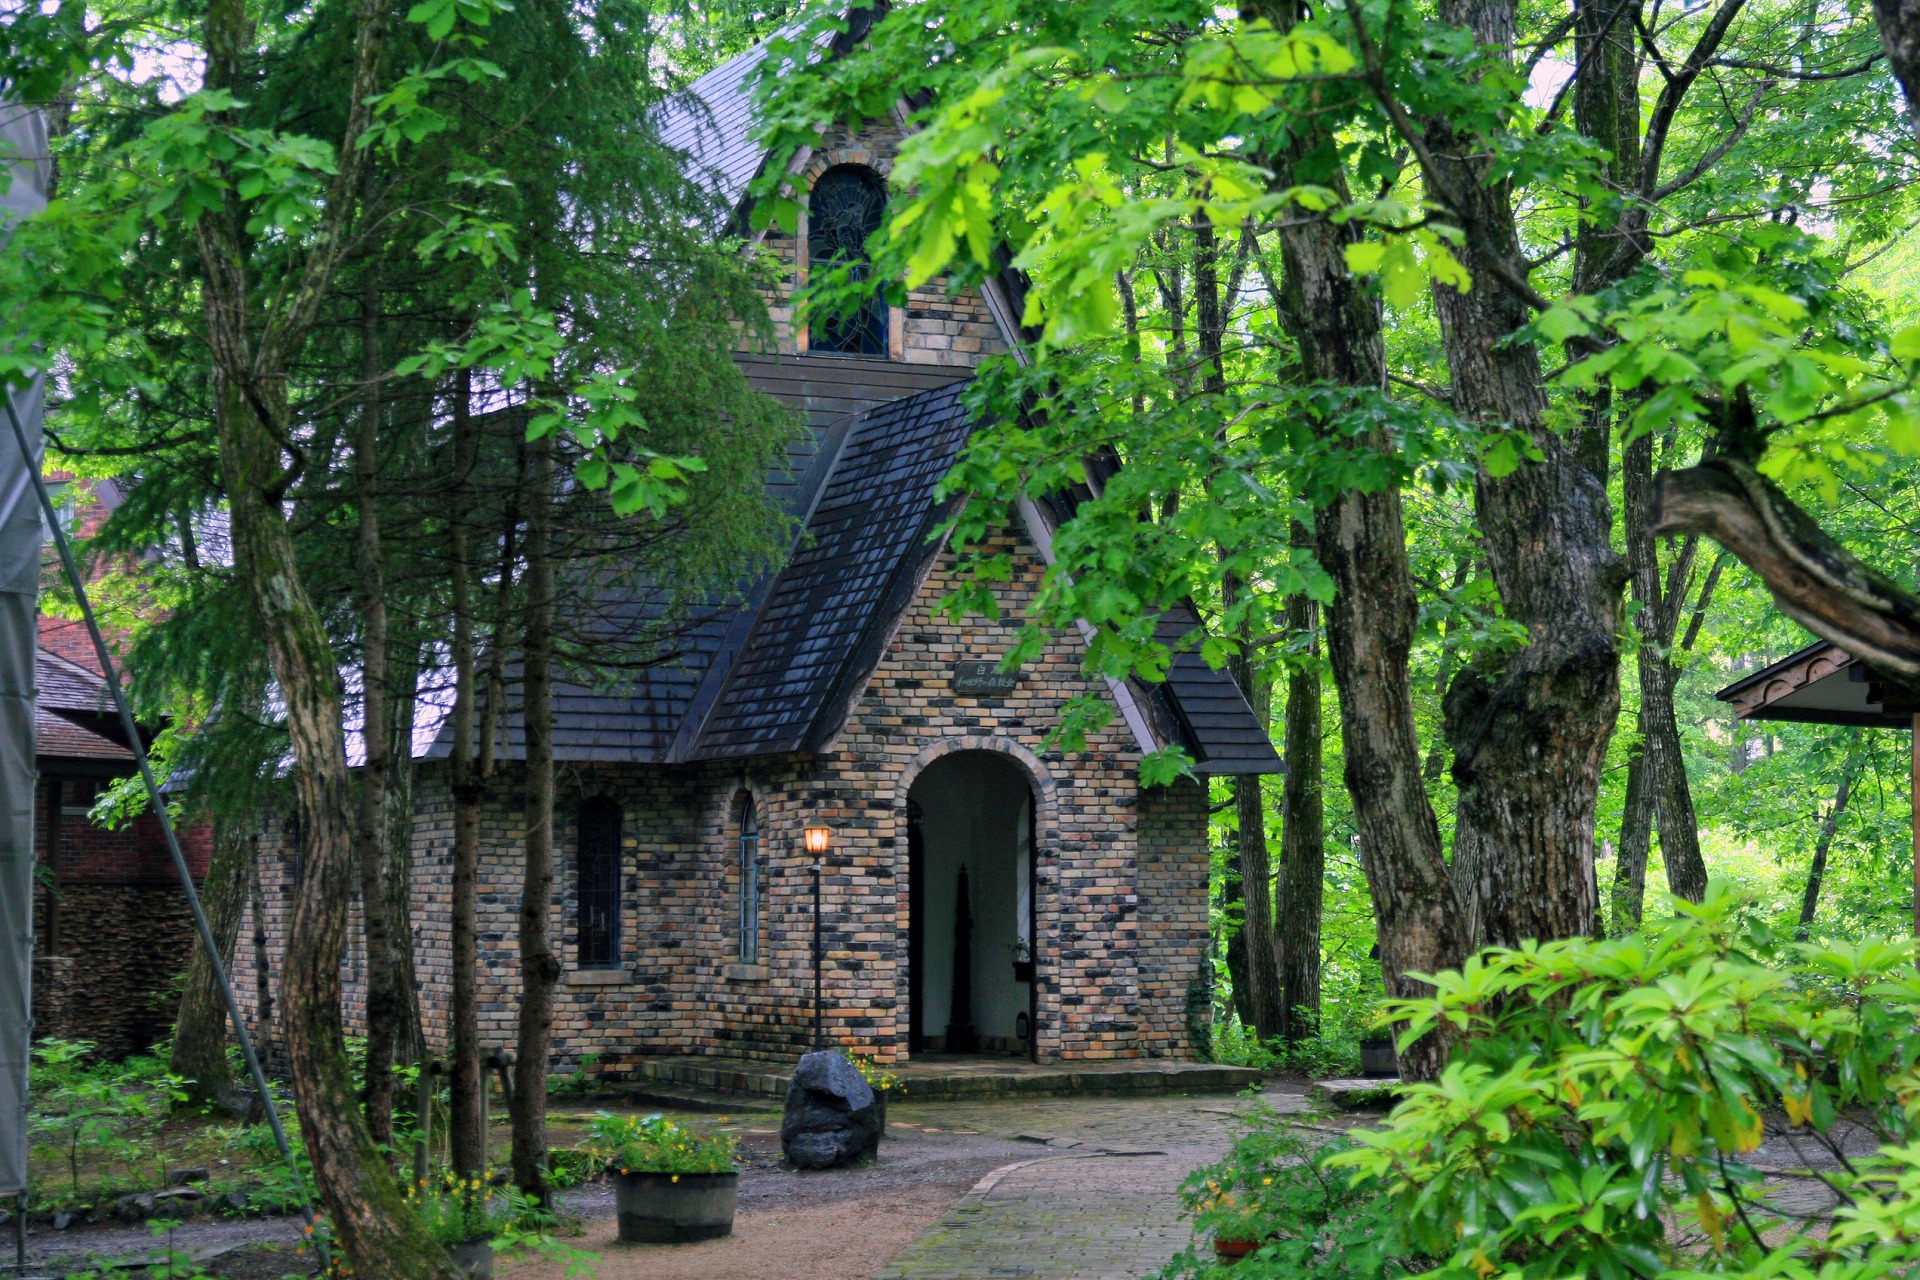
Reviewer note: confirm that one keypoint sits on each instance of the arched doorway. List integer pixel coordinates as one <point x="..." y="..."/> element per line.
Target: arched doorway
<point x="970" y="821"/>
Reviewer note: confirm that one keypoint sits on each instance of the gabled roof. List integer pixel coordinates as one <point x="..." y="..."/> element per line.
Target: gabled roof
<point x="74" y="717"/>
<point x="1820" y="684"/>
<point x="777" y="670"/>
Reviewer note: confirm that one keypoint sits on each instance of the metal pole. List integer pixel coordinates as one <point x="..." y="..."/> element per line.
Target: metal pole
<point x="819" y="1037"/>
<point x="132" y="730"/>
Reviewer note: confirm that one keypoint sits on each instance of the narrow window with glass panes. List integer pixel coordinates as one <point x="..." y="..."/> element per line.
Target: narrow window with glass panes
<point x="749" y="824"/>
<point x="845" y="208"/>
<point x="598" y="865"/>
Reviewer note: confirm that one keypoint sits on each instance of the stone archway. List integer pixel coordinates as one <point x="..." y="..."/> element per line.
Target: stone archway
<point x="974" y="816"/>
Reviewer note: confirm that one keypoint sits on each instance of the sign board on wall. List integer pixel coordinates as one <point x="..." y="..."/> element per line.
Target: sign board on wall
<point x="983" y="679"/>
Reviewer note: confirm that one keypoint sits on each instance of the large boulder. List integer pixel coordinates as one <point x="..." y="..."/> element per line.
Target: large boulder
<point x="833" y="1117"/>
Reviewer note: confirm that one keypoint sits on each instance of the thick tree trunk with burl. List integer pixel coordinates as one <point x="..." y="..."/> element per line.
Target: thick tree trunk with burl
<point x="1300" y="890"/>
<point x="1813" y="579"/>
<point x="199" y="1052"/>
<point x="1529" y="734"/>
<point x="539" y="967"/>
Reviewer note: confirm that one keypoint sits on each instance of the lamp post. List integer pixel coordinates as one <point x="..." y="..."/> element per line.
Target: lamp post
<point x="818" y="840"/>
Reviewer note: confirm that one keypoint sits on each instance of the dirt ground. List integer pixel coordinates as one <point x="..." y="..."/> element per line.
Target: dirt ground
<point x="792" y="1225"/>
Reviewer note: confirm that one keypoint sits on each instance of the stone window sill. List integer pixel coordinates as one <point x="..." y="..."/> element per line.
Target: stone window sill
<point x="746" y="973"/>
<point x="598" y="977"/>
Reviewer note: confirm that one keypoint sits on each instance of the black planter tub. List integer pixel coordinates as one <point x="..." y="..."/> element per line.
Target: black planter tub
<point x="674" y="1208"/>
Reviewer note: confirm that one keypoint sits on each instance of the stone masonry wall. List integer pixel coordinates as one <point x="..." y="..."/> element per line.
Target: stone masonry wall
<point x="1121" y="875"/>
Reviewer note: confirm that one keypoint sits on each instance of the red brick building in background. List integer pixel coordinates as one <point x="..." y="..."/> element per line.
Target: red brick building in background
<point x="112" y="930"/>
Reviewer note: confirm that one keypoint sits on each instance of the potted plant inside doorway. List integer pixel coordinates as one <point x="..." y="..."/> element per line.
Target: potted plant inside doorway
<point x="671" y="1185"/>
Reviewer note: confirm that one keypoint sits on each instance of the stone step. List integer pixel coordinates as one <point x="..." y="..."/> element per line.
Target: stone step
<point x="943" y="1082"/>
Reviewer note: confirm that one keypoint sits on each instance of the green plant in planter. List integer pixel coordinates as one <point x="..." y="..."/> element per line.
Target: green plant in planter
<point x="655" y="1144"/>
<point x="878" y="1078"/>
<point x="455" y="1210"/>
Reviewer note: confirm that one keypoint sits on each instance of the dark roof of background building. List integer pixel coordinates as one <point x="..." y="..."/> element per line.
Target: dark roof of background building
<point x="74" y="717"/>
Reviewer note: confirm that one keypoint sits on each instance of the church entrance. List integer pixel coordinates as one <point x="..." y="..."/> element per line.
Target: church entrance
<point x="970" y="960"/>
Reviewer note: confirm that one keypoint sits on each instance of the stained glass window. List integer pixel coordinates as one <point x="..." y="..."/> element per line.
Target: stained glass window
<point x="599" y="868"/>
<point x="847" y="204"/>
<point x="749" y="882"/>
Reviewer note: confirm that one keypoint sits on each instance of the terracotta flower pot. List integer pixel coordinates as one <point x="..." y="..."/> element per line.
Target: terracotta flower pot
<point x="474" y="1257"/>
<point x="1231" y="1251"/>
<point x="674" y="1208"/>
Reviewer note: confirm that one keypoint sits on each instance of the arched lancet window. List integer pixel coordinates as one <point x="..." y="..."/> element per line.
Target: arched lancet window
<point x="599" y="877"/>
<point x="845" y="208"/>
<point x="749" y="869"/>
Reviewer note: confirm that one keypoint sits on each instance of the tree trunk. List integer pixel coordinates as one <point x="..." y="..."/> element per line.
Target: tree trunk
<point x="264" y="1033"/>
<point x="1900" y="35"/>
<point x="1665" y="770"/>
<point x="1262" y="1009"/>
<point x="1636" y="842"/>
<point x="539" y="967"/>
<point x="465" y="1138"/>
<point x="373" y="1224"/>
<point x="1303" y="839"/>
<point x="1528" y="738"/>
<point x="1360" y="539"/>
<point x="199" y="1052"/>
<point x="375" y="698"/>
<point x="1233" y="902"/>
<point x="1817" y="873"/>
<point x="410" y="1041"/>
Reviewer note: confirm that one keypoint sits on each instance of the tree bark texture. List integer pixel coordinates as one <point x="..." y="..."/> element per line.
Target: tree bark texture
<point x="251" y="355"/>
<point x="1665" y="766"/>
<point x="199" y="1053"/>
<point x="1300" y="889"/>
<point x="1817" y="873"/>
<point x="375" y="702"/>
<point x="1254" y="861"/>
<point x="1233" y="903"/>
<point x="1360" y="539"/>
<point x="1636" y="844"/>
<point x="1813" y="579"/>
<point x="539" y="967"/>
<point x="410" y="1043"/>
<point x="1529" y="737"/>
<point x="1900" y="36"/>
<point x="466" y="1141"/>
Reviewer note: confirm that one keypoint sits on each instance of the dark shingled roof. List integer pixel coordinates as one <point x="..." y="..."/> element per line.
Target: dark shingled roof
<point x="776" y="672"/>
<point x="73" y="715"/>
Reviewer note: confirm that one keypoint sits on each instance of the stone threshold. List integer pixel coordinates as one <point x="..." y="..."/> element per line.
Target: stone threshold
<point x="957" y="1079"/>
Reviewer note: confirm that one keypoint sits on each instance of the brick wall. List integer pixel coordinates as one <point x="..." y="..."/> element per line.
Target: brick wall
<point x="1121" y="875"/>
<point x="112" y="929"/>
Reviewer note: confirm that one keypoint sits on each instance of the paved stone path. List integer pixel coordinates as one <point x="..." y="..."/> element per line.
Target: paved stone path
<point x="1101" y="1203"/>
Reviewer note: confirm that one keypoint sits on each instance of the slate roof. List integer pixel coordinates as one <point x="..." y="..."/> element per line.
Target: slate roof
<point x="711" y="121"/>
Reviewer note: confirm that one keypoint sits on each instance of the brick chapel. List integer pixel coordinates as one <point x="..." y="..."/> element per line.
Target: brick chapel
<point x="979" y="894"/>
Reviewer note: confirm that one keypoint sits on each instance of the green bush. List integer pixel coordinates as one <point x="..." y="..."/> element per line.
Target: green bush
<point x="655" y="1144"/>
<point x="90" y="1113"/>
<point x="1310" y="1223"/>
<point x="1604" y="1102"/>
